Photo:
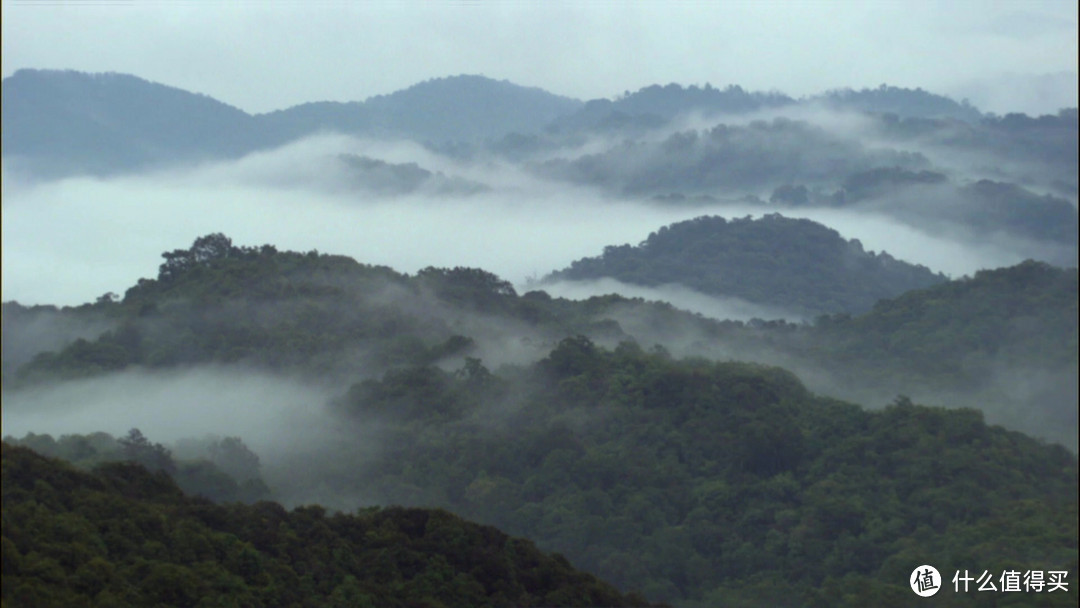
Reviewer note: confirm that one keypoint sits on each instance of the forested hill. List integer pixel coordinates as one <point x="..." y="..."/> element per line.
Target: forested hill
<point x="795" y="264"/>
<point x="699" y="483"/>
<point x="1003" y="341"/>
<point x="323" y="314"/>
<point x="655" y="105"/>
<point x="711" y="484"/>
<point x="121" y="536"/>
<point x="702" y="481"/>
<point x="971" y="333"/>
<point x="62" y="122"/>
<point x="1026" y="314"/>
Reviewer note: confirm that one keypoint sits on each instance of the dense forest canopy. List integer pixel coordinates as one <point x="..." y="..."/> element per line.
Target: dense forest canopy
<point x="701" y="483"/>
<point x="122" y="536"/>
<point x="711" y="482"/>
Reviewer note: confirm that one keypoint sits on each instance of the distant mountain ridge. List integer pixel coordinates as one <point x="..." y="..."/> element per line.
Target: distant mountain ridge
<point x="902" y="102"/>
<point x="63" y="122"/>
<point x="456" y="108"/>
<point x="655" y="104"/>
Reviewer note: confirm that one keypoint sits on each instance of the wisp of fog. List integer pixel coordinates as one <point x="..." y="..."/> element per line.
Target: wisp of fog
<point x="266" y="410"/>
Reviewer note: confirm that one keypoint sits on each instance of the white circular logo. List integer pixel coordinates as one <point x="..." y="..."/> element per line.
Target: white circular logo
<point x="925" y="581"/>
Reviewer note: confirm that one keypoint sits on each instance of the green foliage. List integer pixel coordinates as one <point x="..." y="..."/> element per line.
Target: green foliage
<point x="61" y="548"/>
<point x="701" y="482"/>
<point x="1021" y="308"/>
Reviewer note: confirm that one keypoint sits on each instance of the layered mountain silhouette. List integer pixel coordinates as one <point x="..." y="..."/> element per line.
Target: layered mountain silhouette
<point x="458" y="108"/>
<point x="65" y="122"/>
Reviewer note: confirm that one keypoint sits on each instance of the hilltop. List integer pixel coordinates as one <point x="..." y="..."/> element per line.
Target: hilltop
<point x="793" y="264"/>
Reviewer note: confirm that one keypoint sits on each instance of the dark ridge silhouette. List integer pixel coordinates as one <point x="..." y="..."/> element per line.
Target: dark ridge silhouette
<point x="59" y="123"/>
<point x="795" y="264"/>
<point x="63" y="122"/>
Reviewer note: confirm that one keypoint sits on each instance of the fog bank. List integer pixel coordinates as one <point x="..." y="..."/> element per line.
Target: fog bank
<point x="68" y="242"/>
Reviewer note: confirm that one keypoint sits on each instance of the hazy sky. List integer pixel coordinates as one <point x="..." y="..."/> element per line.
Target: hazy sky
<point x="265" y="55"/>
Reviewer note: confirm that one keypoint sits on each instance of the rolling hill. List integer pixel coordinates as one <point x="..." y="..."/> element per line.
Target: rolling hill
<point x="794" y="264"/>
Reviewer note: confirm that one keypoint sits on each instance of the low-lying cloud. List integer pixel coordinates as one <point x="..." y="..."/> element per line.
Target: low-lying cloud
<point x="68" y="242"/>
<point x="679" y="296"/>
<point x="268" y="411"/>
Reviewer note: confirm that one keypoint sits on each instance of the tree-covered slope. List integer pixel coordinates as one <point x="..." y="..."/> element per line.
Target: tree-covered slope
<point x="990" y="176"/>
<point x="717" y="483"/>
<point x="1025" y="313"/>
<point x="931" y="200"/>
<point x="655" y="105"/>
<point x="698" y="481"/>
<point x="455" y="109"/>
<point x="1040" y="144"/>
<point x="1003" y="341"/>
<point x="121" y="536"/>
<point x="315" y="313"/>
<point x="794" y="264"/>
<point x="468" y="108"/>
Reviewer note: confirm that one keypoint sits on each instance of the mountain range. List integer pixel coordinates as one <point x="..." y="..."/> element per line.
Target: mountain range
<point x="743" y="406"/>
<point x="67" y="122"/>
<point x="923" y="159"/>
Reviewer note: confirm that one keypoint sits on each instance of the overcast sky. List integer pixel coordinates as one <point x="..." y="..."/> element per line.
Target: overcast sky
<point x="265" y="55"/>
